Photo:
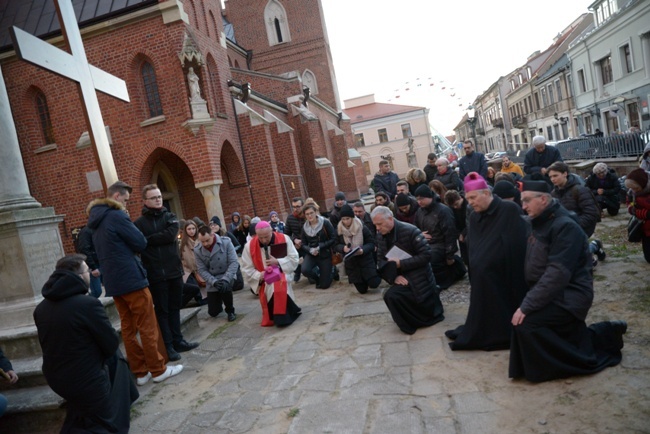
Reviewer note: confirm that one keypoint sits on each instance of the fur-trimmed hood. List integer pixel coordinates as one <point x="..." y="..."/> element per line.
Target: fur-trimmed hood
<point x="98" y="208"/>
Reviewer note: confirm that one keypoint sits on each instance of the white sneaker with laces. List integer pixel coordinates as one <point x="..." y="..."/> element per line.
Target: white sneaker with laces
<point x="169" y="372"/>
<point x="143" y="380"/>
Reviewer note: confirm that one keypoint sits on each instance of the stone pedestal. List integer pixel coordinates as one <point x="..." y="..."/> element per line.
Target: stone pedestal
<point x="210" y="192"/>
<point x="31" y="245"/>
<point x="412" y="160"/>
<point x="199" y="110"/>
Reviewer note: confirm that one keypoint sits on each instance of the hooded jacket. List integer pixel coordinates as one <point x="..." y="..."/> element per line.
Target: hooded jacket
<point x="117" y="242"/>
<point x="76" y="338"/>
<point x="579" y="199"/>
<point x="161" y="258"/>
<point x="610" y="185"/>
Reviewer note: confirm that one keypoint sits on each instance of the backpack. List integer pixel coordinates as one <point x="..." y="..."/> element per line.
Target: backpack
<point x="576" y="197"/>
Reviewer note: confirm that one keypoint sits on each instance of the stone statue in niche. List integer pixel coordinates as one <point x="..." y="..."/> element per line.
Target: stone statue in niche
<point x="195" y="90"/>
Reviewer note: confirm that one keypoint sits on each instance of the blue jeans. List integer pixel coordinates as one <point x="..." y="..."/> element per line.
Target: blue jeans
<point x="3" y="404"/>
<point x="96" y="286"/>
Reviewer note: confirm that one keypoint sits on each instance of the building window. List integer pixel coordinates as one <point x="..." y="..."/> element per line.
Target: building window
<point x="536" y="100"/>
<point x="277" y="26"/>
<point x="556" y="132"/>
<point x="551" y="95"/>
<point x="626" y="59"/>
<point x="569" y="86"/>
<point x="44" y="118"/>
<point x="406" y="131"/>
<point x="605" y="66"/>
<point x="544" y="99"/>
<point x="151" y="90"/>
<point x="383" y="135"/>
<point x="366" y="168"/>
<point x="633" y="115"/>
<point x="358" y="139"/>
<point x="588" y="127"/>
<point x="558" y="90"/>
<point x="549" y="133"/>
<point x="309" y="80"/>
<point x="582" y="83"/>
<point x="529" y="72"/>
<point x="565" y="130"/>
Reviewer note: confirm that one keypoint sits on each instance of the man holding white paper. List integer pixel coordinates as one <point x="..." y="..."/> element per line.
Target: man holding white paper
<point x="403" y="260"/>
<point x="268" y="263"/>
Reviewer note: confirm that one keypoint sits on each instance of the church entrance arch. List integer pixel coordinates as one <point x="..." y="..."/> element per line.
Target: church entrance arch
<point x="165" y="181"/>
<point x="235" y="192"/>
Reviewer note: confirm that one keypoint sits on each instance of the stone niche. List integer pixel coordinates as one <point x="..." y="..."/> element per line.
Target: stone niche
<point x="31" y="246"/>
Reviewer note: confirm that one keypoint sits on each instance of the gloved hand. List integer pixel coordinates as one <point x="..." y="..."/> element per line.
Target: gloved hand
<point x="222" y="286"/>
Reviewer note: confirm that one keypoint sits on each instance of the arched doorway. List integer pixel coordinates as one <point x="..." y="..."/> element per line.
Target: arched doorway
<point x="165" y="181"/>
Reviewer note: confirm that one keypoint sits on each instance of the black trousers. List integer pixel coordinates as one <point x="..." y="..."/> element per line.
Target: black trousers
<point x="216" y="301"/>
<point x="167" y="299"/>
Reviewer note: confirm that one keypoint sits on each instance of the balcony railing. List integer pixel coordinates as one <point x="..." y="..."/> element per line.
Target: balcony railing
<point x="497" y="123"/>
<point x="480" y="131"/>
<point x="520" y="121"/>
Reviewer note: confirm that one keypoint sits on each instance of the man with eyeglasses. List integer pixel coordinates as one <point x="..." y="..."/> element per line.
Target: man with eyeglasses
<point x="293" y="227"/>
<point x="551" y="339"/>
<point x="162" y="261"/>
<point x="472" y="161"/>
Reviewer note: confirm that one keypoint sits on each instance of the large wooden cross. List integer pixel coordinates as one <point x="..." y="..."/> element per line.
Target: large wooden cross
<point x="89" y="79"/>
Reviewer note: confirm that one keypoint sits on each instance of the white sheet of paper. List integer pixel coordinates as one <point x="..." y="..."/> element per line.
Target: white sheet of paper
<point x="397" y="253"/>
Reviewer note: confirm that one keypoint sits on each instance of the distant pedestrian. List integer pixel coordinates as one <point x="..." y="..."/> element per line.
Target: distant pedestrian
<point x="472" y="161"/>
<point x="385" y="180"/>
<point x="539" y="157"/>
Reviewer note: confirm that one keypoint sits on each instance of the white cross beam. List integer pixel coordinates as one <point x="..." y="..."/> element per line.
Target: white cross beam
<point x="89" y="78"/>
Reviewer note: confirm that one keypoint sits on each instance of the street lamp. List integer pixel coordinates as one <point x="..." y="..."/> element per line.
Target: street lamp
<point x="471" y="120"/>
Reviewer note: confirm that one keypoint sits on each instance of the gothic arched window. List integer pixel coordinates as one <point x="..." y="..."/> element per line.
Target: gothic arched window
<point x="44" y="118"/>
<point x="151" y="90"/>
<point x="277" y="26"/>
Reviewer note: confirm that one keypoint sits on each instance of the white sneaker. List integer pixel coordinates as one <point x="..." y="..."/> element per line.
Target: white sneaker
<point x="169" y="372"/>
<point x="143" y="380"/>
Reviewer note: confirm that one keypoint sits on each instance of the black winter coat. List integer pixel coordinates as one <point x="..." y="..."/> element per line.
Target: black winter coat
<point x="161" y="258"/>
<point x="86" y="247"/>
<point x="610" y="185"/>
<point x="534" y="161"/>
<point x="325" y="240"/>
<point x="293" y="227"/>
<point x="431" y="172"/>
<point x="438" y="221"/>
<point x="417" y="268"/>
<point x="450" y="180"/>
<point x="558" y="264"/>
<point x="76" y="338"/>
<point x="117" y="242"/>
<point x="358" y="267"/>
<point x="578" y="198"/>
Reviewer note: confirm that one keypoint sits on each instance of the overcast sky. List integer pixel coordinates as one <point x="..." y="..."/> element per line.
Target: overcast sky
<point x="385" y="47"/>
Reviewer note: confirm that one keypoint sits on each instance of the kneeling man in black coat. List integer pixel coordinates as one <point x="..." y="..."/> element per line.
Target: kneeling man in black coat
<point x="413" y="299"/>
<point x="81" y="357"/>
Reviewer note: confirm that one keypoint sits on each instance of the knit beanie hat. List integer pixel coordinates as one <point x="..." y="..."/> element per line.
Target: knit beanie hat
<point x="403" y="199"/>
<point x="216" y="220"/>
<point x="474" y="181"/>
<point x="504" y="189"/>
<point x="339" y="196"/>
<point x="638" y="176"/>
<point x="422" y="191"/>
<point x="346" y="211"/>
<point x="272" y="214"/>
<point x="600" y="168"/>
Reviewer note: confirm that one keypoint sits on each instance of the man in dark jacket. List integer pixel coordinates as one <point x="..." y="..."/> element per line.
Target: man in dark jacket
<point x="85" y="243"/>
<point x="540" y="156"/>
<point x="385" y="180"/>
<point x="404" y="262"/>
<point x="604" y="184"/>
<point x="162" y="261"/>
<point x="430" y="169"/>
<point x="335" y="213"/>
<point x="436" y="221"/>
<point x="551" y="339"/>
<point x="577" y="198"/>
<point x="472" y="162"/>
<point x="118" y="242"/>
<point x="406" y="206"/>
<point x="293" y="228"/>
<point x="360" y="213"/>
<point x="81" y="357"/>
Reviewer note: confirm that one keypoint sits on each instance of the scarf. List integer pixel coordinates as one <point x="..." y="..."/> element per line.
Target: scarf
<point x="279" y="287"/>
<point x="353" y="236"/>
<point x="313" y="231"/>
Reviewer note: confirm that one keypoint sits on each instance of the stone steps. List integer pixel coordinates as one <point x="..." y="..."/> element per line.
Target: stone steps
<point x="32" y="405"/>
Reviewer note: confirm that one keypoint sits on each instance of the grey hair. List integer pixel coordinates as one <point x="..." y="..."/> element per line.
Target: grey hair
<point x="539" y="140"/>
<point x="383" y="211"/>
<point x="443" y="160"/>
<point x="600" y="168"/>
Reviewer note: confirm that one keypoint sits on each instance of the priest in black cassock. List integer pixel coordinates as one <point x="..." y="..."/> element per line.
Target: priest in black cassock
<point x="497" y="248"/>
<point x="413" y="298"/>
<point x="550" y="338"/>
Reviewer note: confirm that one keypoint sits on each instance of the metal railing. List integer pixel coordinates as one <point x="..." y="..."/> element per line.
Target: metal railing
<point x="616" y="146"/>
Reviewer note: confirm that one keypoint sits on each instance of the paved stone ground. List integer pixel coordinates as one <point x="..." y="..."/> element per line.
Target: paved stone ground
<point x="344" y="367"/>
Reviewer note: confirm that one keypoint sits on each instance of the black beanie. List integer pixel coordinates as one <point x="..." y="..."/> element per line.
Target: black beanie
<point x="402" y="200"/>
<point x="423" y="191"/>
<point x="346" y="211"/>
<point x="216" y="220"/>
<point x="504" y="189"/>
<point x="339" y="196"/>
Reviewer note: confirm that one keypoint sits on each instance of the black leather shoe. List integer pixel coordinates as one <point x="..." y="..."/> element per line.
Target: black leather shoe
<point x="183" y="346"/>
<point x="232" y="317"/>
<point x="619" y="326"/>
<point x="173" y="355"/>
